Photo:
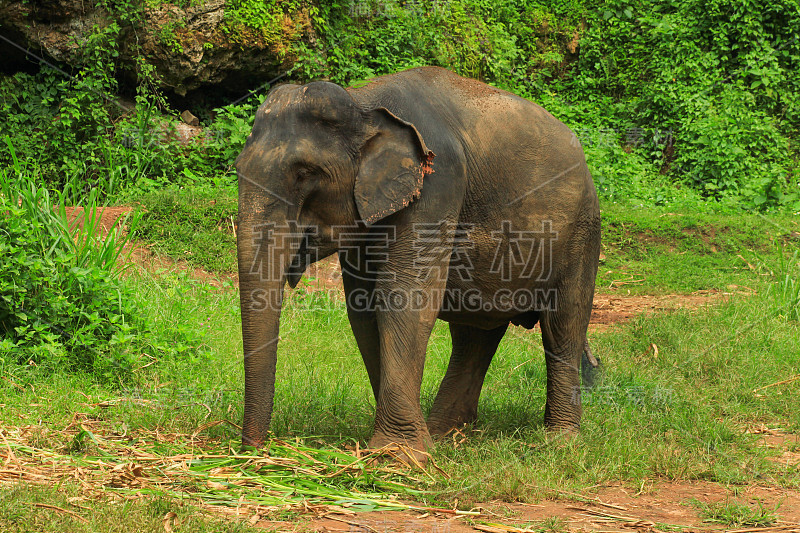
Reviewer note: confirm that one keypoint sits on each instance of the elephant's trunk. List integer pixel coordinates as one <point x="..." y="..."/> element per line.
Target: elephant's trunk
<point x="265" y="252"/>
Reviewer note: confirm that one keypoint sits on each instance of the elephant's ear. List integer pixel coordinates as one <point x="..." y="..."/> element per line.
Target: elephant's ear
<point x="394" y="159"/>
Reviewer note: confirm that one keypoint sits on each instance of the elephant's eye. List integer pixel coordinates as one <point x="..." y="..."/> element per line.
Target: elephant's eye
<point x="304" y="174"/>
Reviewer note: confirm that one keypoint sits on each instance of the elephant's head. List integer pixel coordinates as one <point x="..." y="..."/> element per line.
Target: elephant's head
<point x="314" y="162"/>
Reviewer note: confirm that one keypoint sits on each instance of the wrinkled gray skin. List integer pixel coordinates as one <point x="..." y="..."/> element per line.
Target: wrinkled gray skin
<point x="426" y="149"/>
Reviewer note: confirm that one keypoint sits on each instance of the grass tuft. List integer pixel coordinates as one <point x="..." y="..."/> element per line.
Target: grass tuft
<point x="736" y="514"/>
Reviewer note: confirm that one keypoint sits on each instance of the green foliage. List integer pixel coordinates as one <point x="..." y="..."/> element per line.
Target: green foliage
<point x="228" y="133"/>
<point x="469" y="37"/>
<point x="712" y="89"/>
<point x="245" y="19"/>
<point x="676" y="103"/>
<point x="82" y="138"/>
<point x="57" y="120"/>
<point x="721" y="77"/>
<point x="167" y="36"/>
<point x="62" y="306"/>
<point x="732" y="149"/>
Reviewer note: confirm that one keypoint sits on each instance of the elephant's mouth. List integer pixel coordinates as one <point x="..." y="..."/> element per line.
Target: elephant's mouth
<point x="302" y="259"/>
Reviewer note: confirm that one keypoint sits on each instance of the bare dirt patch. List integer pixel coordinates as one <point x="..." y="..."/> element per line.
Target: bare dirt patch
<point x="788" y="445"/>
<point x="110" y="217"/>
<point x="143" y="257"/>
<point x="138" y="253"/>
<point x="654" y="507"/>
<point x="610" y="309"/>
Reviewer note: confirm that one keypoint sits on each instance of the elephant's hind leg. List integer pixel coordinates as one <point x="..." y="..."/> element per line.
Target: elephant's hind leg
<point x="457" y="400"/>
<point x="563" y="343"/>
<point x="564" y="340"/>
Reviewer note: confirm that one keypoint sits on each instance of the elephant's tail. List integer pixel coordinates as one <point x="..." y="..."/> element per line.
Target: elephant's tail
<point x="591" y="371"/>
<point x="589" y="355"/>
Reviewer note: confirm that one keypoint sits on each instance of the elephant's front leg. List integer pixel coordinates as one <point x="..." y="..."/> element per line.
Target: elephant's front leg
<point x="457" y="400"/>
<point x="409" y="290"/>
<point x="404" y="337"/>
<point x="363" y="321"/>
<point x="408" y="297"/>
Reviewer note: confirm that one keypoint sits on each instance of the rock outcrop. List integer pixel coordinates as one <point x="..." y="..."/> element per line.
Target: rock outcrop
<point x="192" y="47"/>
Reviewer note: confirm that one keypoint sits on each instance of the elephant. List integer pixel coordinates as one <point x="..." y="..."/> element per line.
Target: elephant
<point x="443" y="197"/>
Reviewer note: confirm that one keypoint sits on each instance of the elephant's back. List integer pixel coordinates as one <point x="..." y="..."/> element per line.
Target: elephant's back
<point x="517" y="157"/>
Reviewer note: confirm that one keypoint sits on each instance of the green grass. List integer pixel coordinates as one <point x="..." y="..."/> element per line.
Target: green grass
<point x="657" y="250"/>
<point x="736" y="514"/>
<point x="21" y="511"/>
<point x="680" y="416"/>
<point x="193" y="224"/>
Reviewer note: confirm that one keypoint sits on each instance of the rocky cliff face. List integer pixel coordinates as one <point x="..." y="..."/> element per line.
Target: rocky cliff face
<point x="192" y="47"/>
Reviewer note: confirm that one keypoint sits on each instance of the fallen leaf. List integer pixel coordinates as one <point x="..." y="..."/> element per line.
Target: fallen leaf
<point x="169" y="520"/>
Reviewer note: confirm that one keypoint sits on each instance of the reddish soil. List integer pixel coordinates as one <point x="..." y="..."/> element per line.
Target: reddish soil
<point x="110" y="217"/>
<point x="652" y="507"/>
<point x="613" y="308"/>
<point x="143" y="257"/>
<point x="114" y="216"/>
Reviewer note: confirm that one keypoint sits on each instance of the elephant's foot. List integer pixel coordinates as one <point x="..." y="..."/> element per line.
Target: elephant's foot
<point x="440" y="425"/>
<point x="562" y="424"/>
<point x="251" y="444"/>
<point x="452" y="408"/>
<point x="252" y="439"/>
<point x="562" y="411"/>
<point x="411" y="451"/>
<point x="562" y="435"/>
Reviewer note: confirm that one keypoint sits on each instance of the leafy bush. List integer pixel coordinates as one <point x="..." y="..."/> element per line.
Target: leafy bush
<point x="468" y="36"/>
<point x="266" y="21"/>
<point x="62" y="305"/>
<point x="84" y="139"/>
<point x="722" y="77"/>
<point x="714" y="88"/>
<point x="228" y="133"/>
<point x="719" y="80"/>
<point x="58" y="120"/>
